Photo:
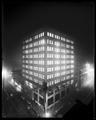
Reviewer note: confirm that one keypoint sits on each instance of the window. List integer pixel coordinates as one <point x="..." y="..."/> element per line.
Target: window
<point x="57" y="43"/>
<point x="57" y="56"/>
<point x="26" y="61"/>
<point x="63" y="73"/>
<point x="72" y="71"/>
<point x="68" y="72"/>
<point x="72" y="61"/>
<point x="49" y="62"/>
<point x="72" y="47"/>
<point x="57" y="74"/>
<point x="26" y="51"/>
<point x="49" y="41"/>
<point x="49" y="55"/>
<point x="72" y="42"/>
<point x="72" y="75"/>
<point x="30" y="67"/>
<point x="49" y="48"/>
<point x="72" y="81"/>
<point x="26" y="46"/>
<point x="68" y="77"/>
<point x="63" y="39"/>
<point x="50" y="76"/>
<point x="62" y="56"/>
<point x="67" y="51"/>
<point x="72" y="52"/>
<point x="67" y="46"/>
<point x="57" y="68"/>
<point x="30" y="45"/>
<point x="72" y="56"/>
<point x="62" y="61"/>
<point x="52" y="35"/>
<point x="41" y="55"/>
<point x="62" y="67"/>
<point x="57" y="50"/>
<point x="36" y="43"/>
<point x="23" y="66"/>
<point x="67" y="40"/>
<point x="57" y="62"/>
<point x="47" y="33"/>
<point x="62" y="50"/>
<point x="49" y="69"/>
<point x="68" y="66"/>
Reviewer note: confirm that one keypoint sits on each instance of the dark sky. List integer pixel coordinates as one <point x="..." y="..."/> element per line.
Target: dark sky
<point x="74" y="19"/>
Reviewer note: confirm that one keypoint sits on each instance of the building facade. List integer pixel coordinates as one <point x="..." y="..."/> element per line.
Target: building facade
<point x="48" y="66"/>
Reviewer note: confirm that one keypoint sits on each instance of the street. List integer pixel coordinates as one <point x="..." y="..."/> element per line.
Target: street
<point x="14" y="106"/>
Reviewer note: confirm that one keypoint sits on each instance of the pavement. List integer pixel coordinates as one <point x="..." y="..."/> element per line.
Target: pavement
<point x="14" y="106"/>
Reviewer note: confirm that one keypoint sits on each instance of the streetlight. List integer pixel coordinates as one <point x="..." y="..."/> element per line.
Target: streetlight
<point x="89" y="73"/>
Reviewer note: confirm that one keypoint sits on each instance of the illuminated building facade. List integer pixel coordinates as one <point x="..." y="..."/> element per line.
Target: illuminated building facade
<point x="48" y="66"/>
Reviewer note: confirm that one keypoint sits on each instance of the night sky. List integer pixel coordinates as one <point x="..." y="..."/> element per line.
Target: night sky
<point x="73" y="19"/>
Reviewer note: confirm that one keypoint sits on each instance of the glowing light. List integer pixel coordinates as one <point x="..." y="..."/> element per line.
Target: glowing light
<point x="89" y="79"/>
<point x="5" y="73"/>
<point x="47" y="115"/>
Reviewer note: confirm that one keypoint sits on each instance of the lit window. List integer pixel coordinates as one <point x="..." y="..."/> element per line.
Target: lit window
<point x="30" y="72"/>
<point x="72" y="52"/>
<point x="57" y="56"/>
<point x="68" y="72"/>
<point x="58" y="37"/>
<point x="57" y="74"/>
<point x="47" y="84"/>
<point x="30" y="39"/>
<point x="63" y="73"/>
<point x="57" y="43"/>
<point x="26" y="61"/>
<point x="62" y="50"/>
<point x="72" y="56"/>
<point x="67" y="40"/>
<point x="30" y="45"/>
<point x="72" y="71"/>
<point x="62" y="56"/>
<point x="63" y="62"/>
<point x="57" y="68"/>
<point x="57" y="50"/>
<point x="72" y="75"/>
<point x="62" y="67"/>
<point x="31" y="67"/>
<point x="67" y="46"/>
<point x="68" y="66"/>
<point x="52" y="35"/>
<point x="47" y="33"/>
<point x="42" y="41"/>
<point x="68" y="77"/>
<point x="49" y="62"/>
<point x="67" y="51"/>
<point x="72" y="42"/>
<point x="72" y="47"/>
<point x="57" y="62"/>
<point x="39" y="35"/>
<point x="72" y="61"/>
<point x="67" y="56"/>
<point x="63" y="39"/>
<point x="72" y="66"/>
<point x="72" y="81"/>
<point x="49" y="55"/>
